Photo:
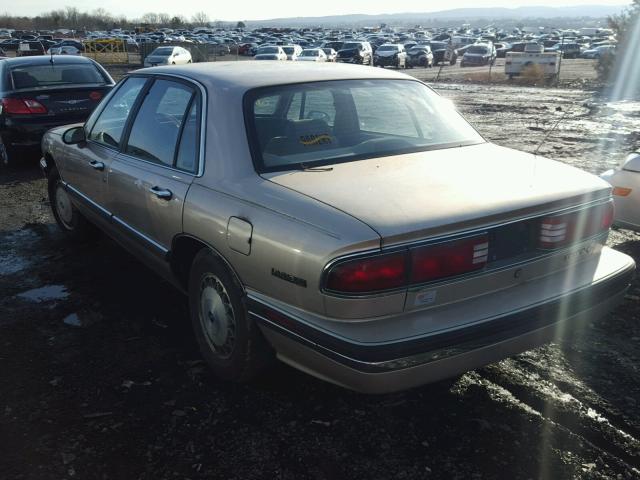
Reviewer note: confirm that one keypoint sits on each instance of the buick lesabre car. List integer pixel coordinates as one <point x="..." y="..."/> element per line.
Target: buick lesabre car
<point x="345" y="219"/>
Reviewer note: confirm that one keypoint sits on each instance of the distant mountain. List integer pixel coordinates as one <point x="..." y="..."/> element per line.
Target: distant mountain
<point x="458" y="14"/>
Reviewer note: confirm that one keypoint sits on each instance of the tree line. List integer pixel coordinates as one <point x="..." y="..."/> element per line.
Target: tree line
<point x="100" y="19"/>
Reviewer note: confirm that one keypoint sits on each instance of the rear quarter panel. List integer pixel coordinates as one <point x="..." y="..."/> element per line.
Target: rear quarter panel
<point x="292" y="234"/>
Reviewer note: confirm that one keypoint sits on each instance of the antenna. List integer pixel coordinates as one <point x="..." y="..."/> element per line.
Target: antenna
<point x="564" y="114"/>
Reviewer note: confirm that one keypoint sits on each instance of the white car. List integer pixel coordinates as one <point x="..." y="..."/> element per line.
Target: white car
<point x="270" y="52"/>
<point x="168" y="56"/>
<point x="292" y="51"/>
<point x="331" y="54"/>
<point x="312" y="55"/>
<point x="64" y="50"/>
<point x="625" y="181"/>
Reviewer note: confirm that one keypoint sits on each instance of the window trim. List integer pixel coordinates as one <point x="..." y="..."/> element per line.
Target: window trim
<point x="140" y="96"/>
<point x="131" y="121"/>
<point x="192" y="101"/>
<point x="200" y="93"/>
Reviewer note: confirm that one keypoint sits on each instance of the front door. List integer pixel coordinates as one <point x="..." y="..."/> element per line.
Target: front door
<point x="86" y="166"/>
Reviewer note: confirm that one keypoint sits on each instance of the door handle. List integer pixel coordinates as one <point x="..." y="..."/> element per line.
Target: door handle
<point x="96" y="165"/>
<point x="161" y="192"/>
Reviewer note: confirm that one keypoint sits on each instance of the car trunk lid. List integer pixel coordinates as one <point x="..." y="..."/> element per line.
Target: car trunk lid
<point x="66" y="102"/>
<point x="421" y="195"/>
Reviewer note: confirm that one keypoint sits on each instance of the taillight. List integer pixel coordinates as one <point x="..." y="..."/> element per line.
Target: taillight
<point x="433" y="262"/>
<point x="560" y="230"/>
<point x="22" y="106"/>
<point x="95" y="96"/>
<point x="369" y="274"/>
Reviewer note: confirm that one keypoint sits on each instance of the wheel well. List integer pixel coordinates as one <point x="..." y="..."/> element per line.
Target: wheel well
<point x="185" y="249"/>
<point x="51" y="163"/>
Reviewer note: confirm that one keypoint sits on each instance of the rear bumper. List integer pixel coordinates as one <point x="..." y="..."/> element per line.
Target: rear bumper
<point x="385" y="61"/>
<point x="393" y="366"/>
<point x="28" y="133"/>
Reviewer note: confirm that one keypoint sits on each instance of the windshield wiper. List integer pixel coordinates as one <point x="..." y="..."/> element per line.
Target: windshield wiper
<point x="306" y="168"/>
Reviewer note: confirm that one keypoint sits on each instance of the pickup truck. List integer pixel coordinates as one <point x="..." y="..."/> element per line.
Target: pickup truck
<point x="517" y="62"/>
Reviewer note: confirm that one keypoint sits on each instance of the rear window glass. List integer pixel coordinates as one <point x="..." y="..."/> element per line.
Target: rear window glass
<point x="297" y="126"/>
<point x="478" y="50"/>
<point x="37" y="76"/>
<point x="163" y="51"/>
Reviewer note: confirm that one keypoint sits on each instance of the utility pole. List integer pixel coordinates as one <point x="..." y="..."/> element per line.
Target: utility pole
<point x="560" y="61"/>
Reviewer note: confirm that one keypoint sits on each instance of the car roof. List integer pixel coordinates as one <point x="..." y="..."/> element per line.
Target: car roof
<point x="251" y="74"/>
<point x="46" y="60"/>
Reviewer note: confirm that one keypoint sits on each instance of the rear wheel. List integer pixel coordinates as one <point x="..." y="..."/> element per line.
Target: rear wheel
<point x="5" y="154"/>
<point x="229" y="340"/>
<point x="67" y="216"/>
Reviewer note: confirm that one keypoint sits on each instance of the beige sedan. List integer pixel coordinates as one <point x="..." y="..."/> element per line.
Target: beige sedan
<point x="345" y="219"/>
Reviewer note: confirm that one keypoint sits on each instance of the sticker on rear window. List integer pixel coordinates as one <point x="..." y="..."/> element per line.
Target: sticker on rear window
<point x="320" y="139"/>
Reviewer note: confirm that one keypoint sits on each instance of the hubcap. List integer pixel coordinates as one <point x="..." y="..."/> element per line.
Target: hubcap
<point x="217" y="316"/>
<point x="64" y="207"/>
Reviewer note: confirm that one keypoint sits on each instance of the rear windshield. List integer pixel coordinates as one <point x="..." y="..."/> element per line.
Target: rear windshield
<point x="163" y="51"/>
<point x="299" y="126"/>
<point x="310" y="53"/>
<point x="38" y="76"/>
<point x="268" y="50"/>
<point x="385" y="48"/>
<point x="478" y="50"/>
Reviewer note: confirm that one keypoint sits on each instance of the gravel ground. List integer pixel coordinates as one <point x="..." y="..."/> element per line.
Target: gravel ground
<point x="100" y="379"/>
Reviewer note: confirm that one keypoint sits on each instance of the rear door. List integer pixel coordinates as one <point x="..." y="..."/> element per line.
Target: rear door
<point x="149" y="181"/>
<point x="85" y="167"/>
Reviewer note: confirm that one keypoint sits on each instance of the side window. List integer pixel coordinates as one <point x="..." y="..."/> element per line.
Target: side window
<point x="109" y="126"/>
<point x="188" y="148"/>
<point x="155" y="130"/>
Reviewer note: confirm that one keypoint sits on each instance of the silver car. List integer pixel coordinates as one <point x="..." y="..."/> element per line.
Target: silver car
<point x="344" y="219"/>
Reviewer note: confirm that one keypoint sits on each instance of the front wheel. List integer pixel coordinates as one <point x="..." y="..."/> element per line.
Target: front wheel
<point x="67" y="216"/>
<point x="229" y="340"/>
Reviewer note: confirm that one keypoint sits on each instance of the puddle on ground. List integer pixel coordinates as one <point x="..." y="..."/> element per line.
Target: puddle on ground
<point x="45" y="294"/>
<point x="10" y="261"/>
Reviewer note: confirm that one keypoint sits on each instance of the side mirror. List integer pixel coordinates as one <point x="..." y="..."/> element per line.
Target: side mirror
<point x="74" y="136"/>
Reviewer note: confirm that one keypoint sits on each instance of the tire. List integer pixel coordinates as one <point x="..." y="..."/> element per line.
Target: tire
<point x="69" y="219"/>
<point x="230" y="342"/>
<point x="6" y="155"/>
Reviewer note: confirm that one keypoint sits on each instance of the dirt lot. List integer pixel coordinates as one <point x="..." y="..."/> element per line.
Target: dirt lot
<point x="100" y="379"/>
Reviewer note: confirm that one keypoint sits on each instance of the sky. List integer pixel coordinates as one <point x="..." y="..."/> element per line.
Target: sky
<point x="266" y="9"/>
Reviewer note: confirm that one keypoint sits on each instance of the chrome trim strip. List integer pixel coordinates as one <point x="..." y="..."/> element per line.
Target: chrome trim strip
<point x="126" y="156"/>
<point x="75" y="191"/>
<point x="439" y="353"/>
<point x="141" y="235"/>
<point x="452" y="237"/>
<point x="119" y="221"/>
